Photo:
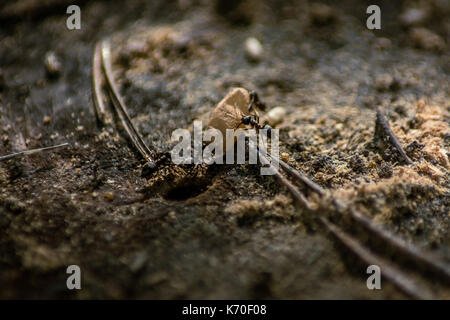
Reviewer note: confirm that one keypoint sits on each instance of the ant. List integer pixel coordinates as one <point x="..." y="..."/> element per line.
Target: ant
<point x="253" y="120"/>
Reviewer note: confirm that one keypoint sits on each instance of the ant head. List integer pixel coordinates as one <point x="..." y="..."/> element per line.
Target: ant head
<point x="246" y="119"/>
<point x="255" y="101"/>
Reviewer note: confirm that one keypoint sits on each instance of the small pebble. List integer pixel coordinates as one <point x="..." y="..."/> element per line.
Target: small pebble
<point x="275" y="115"/>
<point x="253" y="49"/>
<point x="420" y="224"/>
<point x="426" y="39"/>
<point x="383" y="43"/>
<point x="52" y="64"/>
<point x="109" y="196"/>
<point x="138" y="262"/>
<point x="413" y="17"/>
<point x="47" y="120"/>
<point x="386" y="82"/>
<point x="322" y="14"/>
<point x="137" y="48"/>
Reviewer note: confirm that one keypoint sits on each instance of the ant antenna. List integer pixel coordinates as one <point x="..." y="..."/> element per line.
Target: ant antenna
<point x="255" y="101"/>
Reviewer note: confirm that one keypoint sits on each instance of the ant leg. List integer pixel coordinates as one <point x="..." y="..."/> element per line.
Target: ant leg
<point x="255" y="122"/>
<point x="269" y="130"/>
<point x="257" y="102"/>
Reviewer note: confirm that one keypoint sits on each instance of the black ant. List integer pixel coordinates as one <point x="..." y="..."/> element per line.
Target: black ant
<point x="253" y="120"/>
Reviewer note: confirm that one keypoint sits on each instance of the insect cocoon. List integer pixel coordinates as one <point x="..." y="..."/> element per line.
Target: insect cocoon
<point x="229" y="112"/>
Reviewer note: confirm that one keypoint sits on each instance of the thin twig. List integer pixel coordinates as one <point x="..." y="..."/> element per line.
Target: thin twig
<point x="120" y="107"/>
<point x="28" y="152"/>
<point x="97" y="85"/>
<point x="409" y="250"/>
<point x="300" y="176"/>
<point x="298" y="196"/>
<point x="392" y="273"/>
<point x="382" y="127"/>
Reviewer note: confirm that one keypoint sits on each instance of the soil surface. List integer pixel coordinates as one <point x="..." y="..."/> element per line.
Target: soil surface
<point x="220" y="231"/>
